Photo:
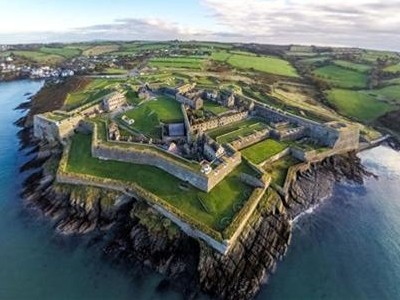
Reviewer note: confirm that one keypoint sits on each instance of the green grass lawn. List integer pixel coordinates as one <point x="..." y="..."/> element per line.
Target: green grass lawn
<point x="262" y="151"/>
<point x="267" y="64"/>
<point x="214" y="107"/>
<point x="353" y="66"/>
<point x="62" y="51"/>
<point x="278" y="170"/>
<point x="231" y="132"/>
<point x="218" y="206"/>
<point x="340" y="77"/>
<point x="149" y="114"/>
<point x="40" y="57"/>
<point x="177" y="62"/>
<point x="357" y="104"/>
<point x="94" y="90"/>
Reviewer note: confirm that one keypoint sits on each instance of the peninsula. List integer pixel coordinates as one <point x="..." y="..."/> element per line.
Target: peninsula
<point x="195" y="157"/>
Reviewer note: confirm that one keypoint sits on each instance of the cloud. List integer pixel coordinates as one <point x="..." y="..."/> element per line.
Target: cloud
<point x="366" y="23"/>
<point x="360" y="23"/>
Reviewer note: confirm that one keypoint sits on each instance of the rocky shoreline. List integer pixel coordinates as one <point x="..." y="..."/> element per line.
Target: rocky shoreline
<point x="189" y="265"/>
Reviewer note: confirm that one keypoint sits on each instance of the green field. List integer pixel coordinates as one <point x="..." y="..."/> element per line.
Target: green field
<point x="94" y="90"/>
<point x="150" y="113"/>
<point x="373" y="56"/>
<point x="114" y="71"/>
<point x="389" y="94"/>
<point x="100" y="49"/>
<point x="357" y="104"/>
<point x="40" y="57"/>
<point x="341" y="77"/>
<point x="262" y="151"/>
<point x="278" y="170"/>
<point x="314" y="60"/>
<point x="352" y="66"/>
<point x="214" y="210"/>
<point x="220" y="55"/>
<point x="233" y="131"/>
<point x="393" y="69"/>
<point x="64" y="51"/>
<point x="214" y="107"/>
<point x="267" y="64"/>
<point x="195" y="63"/>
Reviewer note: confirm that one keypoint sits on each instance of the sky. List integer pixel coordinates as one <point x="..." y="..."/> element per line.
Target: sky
<point x="356" y="23"/>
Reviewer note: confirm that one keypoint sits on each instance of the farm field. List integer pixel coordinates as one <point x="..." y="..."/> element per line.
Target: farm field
<point x="40" y="57"/>
<point x="195" y="63"/>
<point x="263" y="150"/>
<point x="340" y="77"/>
<point x="100" y="49"/>
<point x="267" y="64"/>
<point x="149" y="114"/>
<point x="209" y="208"/>
<point x="220" y="55"/>
<point x="314" y="60"/>
<point x="66" y="52"/>
<point x="393" y="68"/>
<point x="353" y="66"/>
<point x="357" y="104"/>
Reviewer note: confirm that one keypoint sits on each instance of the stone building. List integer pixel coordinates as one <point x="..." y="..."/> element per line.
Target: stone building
<point x="212" y="150"/>
<point x="113" y="101"/>
<point x="194" y="103"/>
<point x="113" y="132"/>
<point x="143" y="92"/>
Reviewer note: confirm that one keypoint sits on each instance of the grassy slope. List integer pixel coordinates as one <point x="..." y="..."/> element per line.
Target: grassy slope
<point x="341" y="77"/>
<point x="353" y="66"/>
<point x="261" y="151"/>
<point x="357" y="104"/>
<point x="165" y="185"/>
<point x="95" y="89"/>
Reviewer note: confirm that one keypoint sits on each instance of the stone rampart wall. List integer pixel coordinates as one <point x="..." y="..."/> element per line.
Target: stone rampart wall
<point x="146" y="157"/>
<point x="251" y="139"/>
<point x="220" y="121"/>
<point x="347" y="138"/>
<point x="276" y="157"/>
<point x="122" y="152"/>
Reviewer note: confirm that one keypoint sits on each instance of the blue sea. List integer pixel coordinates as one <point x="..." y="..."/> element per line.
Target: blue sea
<point x="347" y="248"/>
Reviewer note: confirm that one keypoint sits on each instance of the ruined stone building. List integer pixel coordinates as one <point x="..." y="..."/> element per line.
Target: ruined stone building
<point x="113" y="101"/>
